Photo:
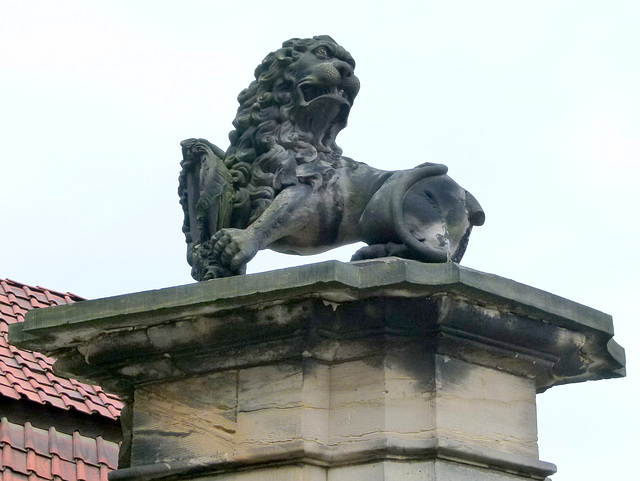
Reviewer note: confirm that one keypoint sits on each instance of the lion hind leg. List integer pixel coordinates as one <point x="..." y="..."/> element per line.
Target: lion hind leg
<point x="377" y="251"/>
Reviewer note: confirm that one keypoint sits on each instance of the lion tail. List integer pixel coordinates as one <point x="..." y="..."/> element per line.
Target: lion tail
<point x="425" y="252"/>
<point x="383" y="219"/>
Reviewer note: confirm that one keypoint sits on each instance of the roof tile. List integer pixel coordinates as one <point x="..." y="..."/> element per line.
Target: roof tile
<point x="54" y="400"/>
<point x="41" y="467"/>
<point x="8" y="359"/>
<point x="81" y="471"/>
<point x="32" y="454"/>
<point x="29" y="375"/>
<point x="54" y="445"/>
<point x="29" y="453"/>
<point x="79" y="406"/>
<point x="27" y="393"/>
<point x="9" y="392"/>
<point x="56" y="466"/>
<point x="104" y="472"/>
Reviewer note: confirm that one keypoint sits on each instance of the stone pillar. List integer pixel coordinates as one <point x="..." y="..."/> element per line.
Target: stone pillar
<point x="385" y="370"/>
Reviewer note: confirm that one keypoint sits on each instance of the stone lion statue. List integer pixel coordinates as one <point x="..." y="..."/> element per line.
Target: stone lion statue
<point x="283" y="183"/>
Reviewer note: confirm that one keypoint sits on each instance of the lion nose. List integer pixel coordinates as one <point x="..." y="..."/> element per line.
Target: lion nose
<point x="343" y="67"/>
<point x="328" y="75"/>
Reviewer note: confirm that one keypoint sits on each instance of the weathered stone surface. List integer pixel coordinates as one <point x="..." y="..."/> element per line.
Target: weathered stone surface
<point x="377" y="370"/>
<point x="186" y="418"/>
<point x="336" y="413"/>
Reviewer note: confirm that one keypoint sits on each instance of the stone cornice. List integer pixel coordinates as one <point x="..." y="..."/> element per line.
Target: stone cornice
<point x="304" y="311"/>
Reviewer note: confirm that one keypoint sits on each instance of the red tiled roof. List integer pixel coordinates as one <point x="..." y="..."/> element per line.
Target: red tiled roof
<point x="29" y="375"/>
<point x="33" y="454"/>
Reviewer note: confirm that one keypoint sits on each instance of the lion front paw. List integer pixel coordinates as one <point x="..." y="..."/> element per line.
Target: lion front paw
<point x="234" y="248"/>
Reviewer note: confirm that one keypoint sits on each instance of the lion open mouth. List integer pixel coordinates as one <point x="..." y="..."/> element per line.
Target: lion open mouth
<point x="311" y="92"/>
<point x="324" y="116"/>
<point x="323" y="111"/>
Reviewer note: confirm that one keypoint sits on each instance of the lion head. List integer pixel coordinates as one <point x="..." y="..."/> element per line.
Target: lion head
<point x="287" y="123"/>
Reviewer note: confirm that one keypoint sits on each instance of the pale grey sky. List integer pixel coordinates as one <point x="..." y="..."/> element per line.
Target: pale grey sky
<point x="533" y="105"/>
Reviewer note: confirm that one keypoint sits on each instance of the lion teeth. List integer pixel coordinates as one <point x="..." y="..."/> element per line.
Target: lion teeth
<point x="310" y="92"/>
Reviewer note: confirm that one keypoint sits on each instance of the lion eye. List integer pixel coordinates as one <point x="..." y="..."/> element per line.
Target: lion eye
<point x="322" y="52"/>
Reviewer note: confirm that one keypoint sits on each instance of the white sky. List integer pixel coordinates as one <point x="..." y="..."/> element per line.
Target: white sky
<point x="533" y="105"/>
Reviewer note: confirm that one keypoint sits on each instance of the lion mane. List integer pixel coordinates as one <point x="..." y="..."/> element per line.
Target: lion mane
<point x="268" y="151"/>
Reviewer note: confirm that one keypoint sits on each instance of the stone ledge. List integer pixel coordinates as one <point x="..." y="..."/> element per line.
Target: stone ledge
<point x="332" y="280"/>
<point x="303" y="311"/>
<point x="304" y="452"/>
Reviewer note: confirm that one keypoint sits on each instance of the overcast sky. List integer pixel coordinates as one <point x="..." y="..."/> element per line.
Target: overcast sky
<point x="533" y="105"/>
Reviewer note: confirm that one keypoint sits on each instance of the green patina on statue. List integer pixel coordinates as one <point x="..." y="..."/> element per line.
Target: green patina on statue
<point x="284" y="185"/>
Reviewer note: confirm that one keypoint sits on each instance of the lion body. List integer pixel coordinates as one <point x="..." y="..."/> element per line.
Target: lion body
<point x="283" y="183"/>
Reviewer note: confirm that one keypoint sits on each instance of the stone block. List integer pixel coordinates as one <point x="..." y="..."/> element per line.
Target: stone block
<point x="186" y="418"/>
<point x="485" y="408"/>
